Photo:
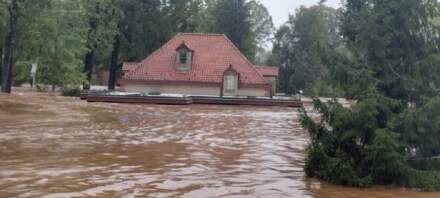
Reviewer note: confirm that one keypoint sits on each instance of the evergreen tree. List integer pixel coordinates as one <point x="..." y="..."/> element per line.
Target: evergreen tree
<point x="181" y="16"/>
<point x="206" y="15"/>
<point x="387" y="135"/>
<point x="233" y="18"/>
<point x="247" y="23"/>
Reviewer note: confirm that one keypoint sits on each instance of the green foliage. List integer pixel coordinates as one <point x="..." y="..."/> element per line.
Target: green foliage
<point x="322" y="88"/>
<point x="262" y="26"/>
<point x="424" y="180"/>
<point x="262" y="29"/>
<point x="71" y="91"/>
<point x="206" y="16"/>
<point x="421" y="128"/>
<point x="101" y="19"/>
<point x="233" y="18"/>
<point x="357" y="147"/>
<point x="247" y="23"/>
<point x="60" y="62"/>
<point x="385" y="157"/>
<point x="144" y="26"/>
<point x="338" y="169"/>
<point x="392" y="37"/>
<point x="67" y="38"/>
<point x="305" y="47"/>
<point x="181" y="16"/>
<point x="390" y="135"/>
<point x="51" y="34"/>
<point x="22" y="72"/>
<point x="330" y="155"/>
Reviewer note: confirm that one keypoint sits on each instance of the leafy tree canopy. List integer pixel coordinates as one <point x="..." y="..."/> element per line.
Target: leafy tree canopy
<point x="305" y="46"/>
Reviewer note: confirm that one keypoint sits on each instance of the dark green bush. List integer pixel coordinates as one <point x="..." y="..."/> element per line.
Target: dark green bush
<point x="71" y="91"/>
<point x="338" y="170"/>
<point x="371" y="143"/>
<point x="423" y="180"/>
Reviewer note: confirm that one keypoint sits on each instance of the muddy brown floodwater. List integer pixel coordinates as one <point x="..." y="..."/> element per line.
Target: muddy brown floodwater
<point x="51" y="146"/>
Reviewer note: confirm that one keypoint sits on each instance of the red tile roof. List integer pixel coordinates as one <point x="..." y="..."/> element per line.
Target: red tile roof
<point x="127" y="67"/>
<point x="213" y="54"/>
<point x="270" y="71"/>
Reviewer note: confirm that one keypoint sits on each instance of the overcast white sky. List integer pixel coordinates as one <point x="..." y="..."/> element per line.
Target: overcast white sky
<point x="280" y="9"/>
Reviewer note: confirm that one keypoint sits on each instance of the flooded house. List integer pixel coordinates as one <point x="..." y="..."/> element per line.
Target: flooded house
<point x="199" y="64"/>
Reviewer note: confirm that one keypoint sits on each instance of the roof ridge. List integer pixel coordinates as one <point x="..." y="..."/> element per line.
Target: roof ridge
<point x="243" y="56"/>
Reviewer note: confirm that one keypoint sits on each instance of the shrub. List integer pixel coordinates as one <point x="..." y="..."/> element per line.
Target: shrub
<point x="424" y="180"/>
<point x="373" y="143"/>
<point x="71" y="91"/>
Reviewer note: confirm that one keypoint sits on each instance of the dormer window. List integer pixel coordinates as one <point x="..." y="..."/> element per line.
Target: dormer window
<point x="183" y="58"/>
<point x="230" y="82"/>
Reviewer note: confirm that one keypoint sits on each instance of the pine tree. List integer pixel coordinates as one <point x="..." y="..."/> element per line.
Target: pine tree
<point x="233" y="19"/>
<point x="386" y="136"/>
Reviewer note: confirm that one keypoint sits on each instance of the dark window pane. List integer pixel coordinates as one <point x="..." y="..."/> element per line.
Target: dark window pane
<point x="182" y="56"/>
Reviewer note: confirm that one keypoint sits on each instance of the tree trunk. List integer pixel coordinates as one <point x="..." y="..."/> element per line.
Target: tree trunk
<point x="114" y="63"/>
<point x="1" y="65"/>
<point x="88" y="68"/>
<point x="8" y="50"/>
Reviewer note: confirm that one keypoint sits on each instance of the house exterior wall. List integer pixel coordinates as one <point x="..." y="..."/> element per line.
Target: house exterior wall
<point x="102" y="77"/>
<point x="273" y="82"/>
<point x="256" y="92"/>
<point x="190" y="89"/>
<point x="174" y="89"/>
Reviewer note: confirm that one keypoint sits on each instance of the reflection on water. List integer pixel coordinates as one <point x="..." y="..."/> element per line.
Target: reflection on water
<point x="52" y="146"/>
